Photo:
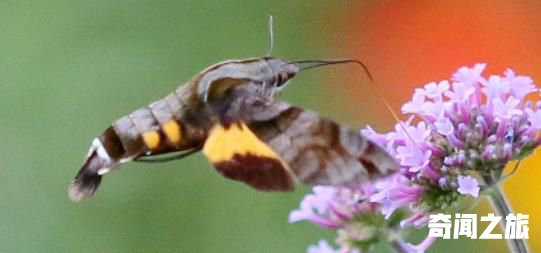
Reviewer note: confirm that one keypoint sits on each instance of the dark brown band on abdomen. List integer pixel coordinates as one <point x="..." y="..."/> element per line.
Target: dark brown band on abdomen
<point x="112" y="144"/>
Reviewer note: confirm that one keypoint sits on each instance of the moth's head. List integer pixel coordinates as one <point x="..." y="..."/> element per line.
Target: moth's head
<point x="264" y="77"/>
<point x="260" y="77"/>
<point x="281" y="72"/>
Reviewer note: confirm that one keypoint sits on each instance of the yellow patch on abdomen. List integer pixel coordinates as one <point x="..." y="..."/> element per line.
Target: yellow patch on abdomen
<point x="173" y="131"/>
<point x="151" y="139"/>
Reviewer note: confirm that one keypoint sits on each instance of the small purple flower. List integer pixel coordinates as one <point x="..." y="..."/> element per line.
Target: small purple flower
<point x="348" y="210"/>
<point x="496" y="87"/>
<point x="461" y="92"/>
<point x="444" y="126"/>
<point x="432" y="111"/>
<point x="415" y="105"/>
<point x="419" y="133"/>
<point x="506" y="110"/>
<point x="521" y="86"/>
<point x="435" y="90"/>
<point x="312" y="206"/>
<point x="413" y="157"/>
<point x="470" y="76"/>
<point x="467" y="185"/>
<point x="369" y="132"/>
<point x="534" y="117"/>
<point x="315" y="208"/>
<point x="394" y="192"/>
<point x="399" y="135"/>
<point x="489" y="153"/>
<point x="332" y="207"/>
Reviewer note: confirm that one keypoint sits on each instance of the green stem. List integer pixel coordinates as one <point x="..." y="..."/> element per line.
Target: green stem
<point x="398" y="247"/>
<point x="502" y="207"/>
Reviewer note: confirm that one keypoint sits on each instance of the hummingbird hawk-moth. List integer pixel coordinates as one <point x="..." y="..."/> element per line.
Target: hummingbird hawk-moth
<point x="230" y="112"/>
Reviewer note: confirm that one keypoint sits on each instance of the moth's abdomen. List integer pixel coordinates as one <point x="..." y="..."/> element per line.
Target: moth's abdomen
<point x="150" y="130"/>
<point x="154" y="129"/>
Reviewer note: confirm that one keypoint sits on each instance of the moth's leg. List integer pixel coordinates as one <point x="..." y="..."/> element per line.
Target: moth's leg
<point x="167" y="158"/>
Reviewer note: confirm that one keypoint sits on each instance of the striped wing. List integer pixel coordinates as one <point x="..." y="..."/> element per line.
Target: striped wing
<point x="283" y="144"/>
<point x="319" y="151"/>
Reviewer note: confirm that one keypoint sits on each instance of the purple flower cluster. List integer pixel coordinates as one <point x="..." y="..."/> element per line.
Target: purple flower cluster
<point x="466" y="129"/>
<point x="360" y="222"/>
<point x="459" y="137"/>
<point x="343" y="209"/>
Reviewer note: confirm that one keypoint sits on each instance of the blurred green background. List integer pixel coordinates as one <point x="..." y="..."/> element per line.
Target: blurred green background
<point x="69" y="68"/>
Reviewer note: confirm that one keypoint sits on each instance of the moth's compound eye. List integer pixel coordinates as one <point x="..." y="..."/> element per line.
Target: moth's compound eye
<point x="282" y="78"/>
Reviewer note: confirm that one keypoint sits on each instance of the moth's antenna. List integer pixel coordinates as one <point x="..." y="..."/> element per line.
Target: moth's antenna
<point x="309" y="64"/>
<point x="379" y="93"/>
<point x="271" y="35"/>
<point x="389" y="108"/>
<point x="320" y="63"/>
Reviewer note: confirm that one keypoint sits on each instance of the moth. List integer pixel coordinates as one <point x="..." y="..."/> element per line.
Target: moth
<point x="230" y="112"/>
